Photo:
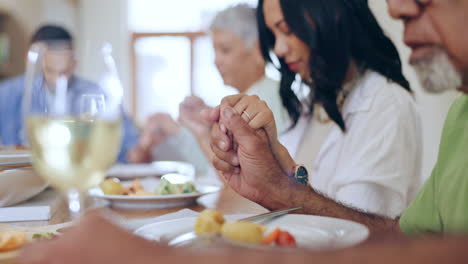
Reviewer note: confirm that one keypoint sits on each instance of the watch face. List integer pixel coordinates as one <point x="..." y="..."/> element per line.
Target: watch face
<point x="301" y="175"/>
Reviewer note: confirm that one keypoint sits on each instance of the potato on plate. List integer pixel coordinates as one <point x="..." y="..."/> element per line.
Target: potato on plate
<point x="209" y="222"/>
<point x="244" y="232"/>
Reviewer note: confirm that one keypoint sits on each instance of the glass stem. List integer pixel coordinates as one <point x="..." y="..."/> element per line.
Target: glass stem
<point x="75" y="204"/>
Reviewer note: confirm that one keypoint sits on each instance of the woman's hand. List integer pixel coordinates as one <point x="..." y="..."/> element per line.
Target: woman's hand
<point x="190" y="116"/>
<point x="158" y="128"/>
<point x="259" y="116"/>
<point x="255" y="112"/>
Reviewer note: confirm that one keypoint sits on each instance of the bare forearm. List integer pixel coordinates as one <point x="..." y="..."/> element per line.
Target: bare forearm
<point x="296" y="194"/>
<point x="318" y="204"/>
<point x="290" y="193"/>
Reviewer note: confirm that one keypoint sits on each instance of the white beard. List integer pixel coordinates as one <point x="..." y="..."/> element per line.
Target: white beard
<point x="437" y="74"/>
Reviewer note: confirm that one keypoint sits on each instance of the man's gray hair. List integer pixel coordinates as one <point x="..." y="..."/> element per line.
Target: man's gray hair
<point x="241" y="20"/>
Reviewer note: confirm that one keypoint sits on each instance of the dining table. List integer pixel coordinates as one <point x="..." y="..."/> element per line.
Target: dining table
<point x="227" y="201"/>
<point x="310" y="231"/>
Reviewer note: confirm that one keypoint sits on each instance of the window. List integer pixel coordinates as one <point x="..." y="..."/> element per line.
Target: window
<point x="172" y="56"/>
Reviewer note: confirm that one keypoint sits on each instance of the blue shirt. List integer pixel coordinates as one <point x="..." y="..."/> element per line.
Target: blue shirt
<point x="11" y="116"/>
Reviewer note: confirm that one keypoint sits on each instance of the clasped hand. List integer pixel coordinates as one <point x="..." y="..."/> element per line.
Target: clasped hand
<point x="246" y="148"/>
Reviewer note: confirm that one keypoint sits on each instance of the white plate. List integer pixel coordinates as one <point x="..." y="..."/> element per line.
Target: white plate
<point x="14" y="156"/>
<point x="157" y="168"/>
<point x="18" y="185"/>
<point x="153" y="201"/>
<point x="311" y="232"/>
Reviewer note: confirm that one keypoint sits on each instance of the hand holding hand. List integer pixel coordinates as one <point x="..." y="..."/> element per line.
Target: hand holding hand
<point x="158" y="128"/>
<point x="190" y="116"/>
<point x="252" y="169"/>
<point x="259" y="116"/>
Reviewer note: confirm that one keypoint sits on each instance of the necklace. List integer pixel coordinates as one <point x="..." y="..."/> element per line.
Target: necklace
<point x="320" y="112"/>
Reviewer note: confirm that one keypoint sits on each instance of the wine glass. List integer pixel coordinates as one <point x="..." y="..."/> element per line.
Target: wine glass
<point x="91" y="105"/>
<point x="73" y="126"/>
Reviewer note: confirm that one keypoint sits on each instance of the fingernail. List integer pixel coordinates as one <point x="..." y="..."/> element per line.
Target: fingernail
<point x="235" y="161"/>
<point x="228" y="113"/>
<point x="222" y="145"/>
<point x="223" y="128"/>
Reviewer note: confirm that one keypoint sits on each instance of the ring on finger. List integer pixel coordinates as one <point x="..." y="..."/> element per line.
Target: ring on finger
<point x="247" y="115"/>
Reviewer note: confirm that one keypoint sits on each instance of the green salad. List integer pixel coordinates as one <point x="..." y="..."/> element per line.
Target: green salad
<point x="166" y="187"/>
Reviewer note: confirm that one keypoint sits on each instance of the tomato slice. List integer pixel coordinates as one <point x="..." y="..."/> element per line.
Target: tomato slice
<point x="285" y="239"/>
<point x="272" y="237"/>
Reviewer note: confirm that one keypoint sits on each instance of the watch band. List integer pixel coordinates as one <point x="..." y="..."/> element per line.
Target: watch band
<point x="301" y="174"/>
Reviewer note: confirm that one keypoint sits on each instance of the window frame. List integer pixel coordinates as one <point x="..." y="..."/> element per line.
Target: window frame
<point x="137" y="36"/>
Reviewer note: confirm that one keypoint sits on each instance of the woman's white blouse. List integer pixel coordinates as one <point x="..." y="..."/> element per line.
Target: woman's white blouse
<point x="376" y="165"/>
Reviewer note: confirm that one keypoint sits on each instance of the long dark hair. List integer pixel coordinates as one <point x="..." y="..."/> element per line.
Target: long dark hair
<point x="343" y="31"/>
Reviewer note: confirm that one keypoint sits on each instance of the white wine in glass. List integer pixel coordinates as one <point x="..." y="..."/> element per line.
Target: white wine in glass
<point x="73" y="153"/>
<point x="74" y="133"/>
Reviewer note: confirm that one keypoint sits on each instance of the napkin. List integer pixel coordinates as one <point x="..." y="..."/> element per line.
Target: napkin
<point x="39" y="208"/>
<point x="12" y="155"/>
<point x="19" y="185"/>
<point x="134" y="224"/>
<point x="26" y="213"/>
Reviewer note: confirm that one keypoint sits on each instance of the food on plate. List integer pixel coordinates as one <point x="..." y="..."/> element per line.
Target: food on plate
<point x="136" y="189"/>
<point x="11" y="240"/>
<point x="44" y="236"/>
<point x="280" y="238"/>
<point x="244" y="232"/>
<point x="114" y="187"/>
<point x="209" y="222"/>
<point x="166" y="187"/>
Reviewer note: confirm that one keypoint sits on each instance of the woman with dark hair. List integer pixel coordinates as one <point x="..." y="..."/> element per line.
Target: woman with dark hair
<point x="372" y="157"/>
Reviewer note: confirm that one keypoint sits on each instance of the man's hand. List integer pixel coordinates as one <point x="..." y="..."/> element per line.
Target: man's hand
<point x="252" y="170"/>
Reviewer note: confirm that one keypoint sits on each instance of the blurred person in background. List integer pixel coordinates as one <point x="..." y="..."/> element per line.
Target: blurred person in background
<point x="239" y="60"/>
<point x="54" y="66"/>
